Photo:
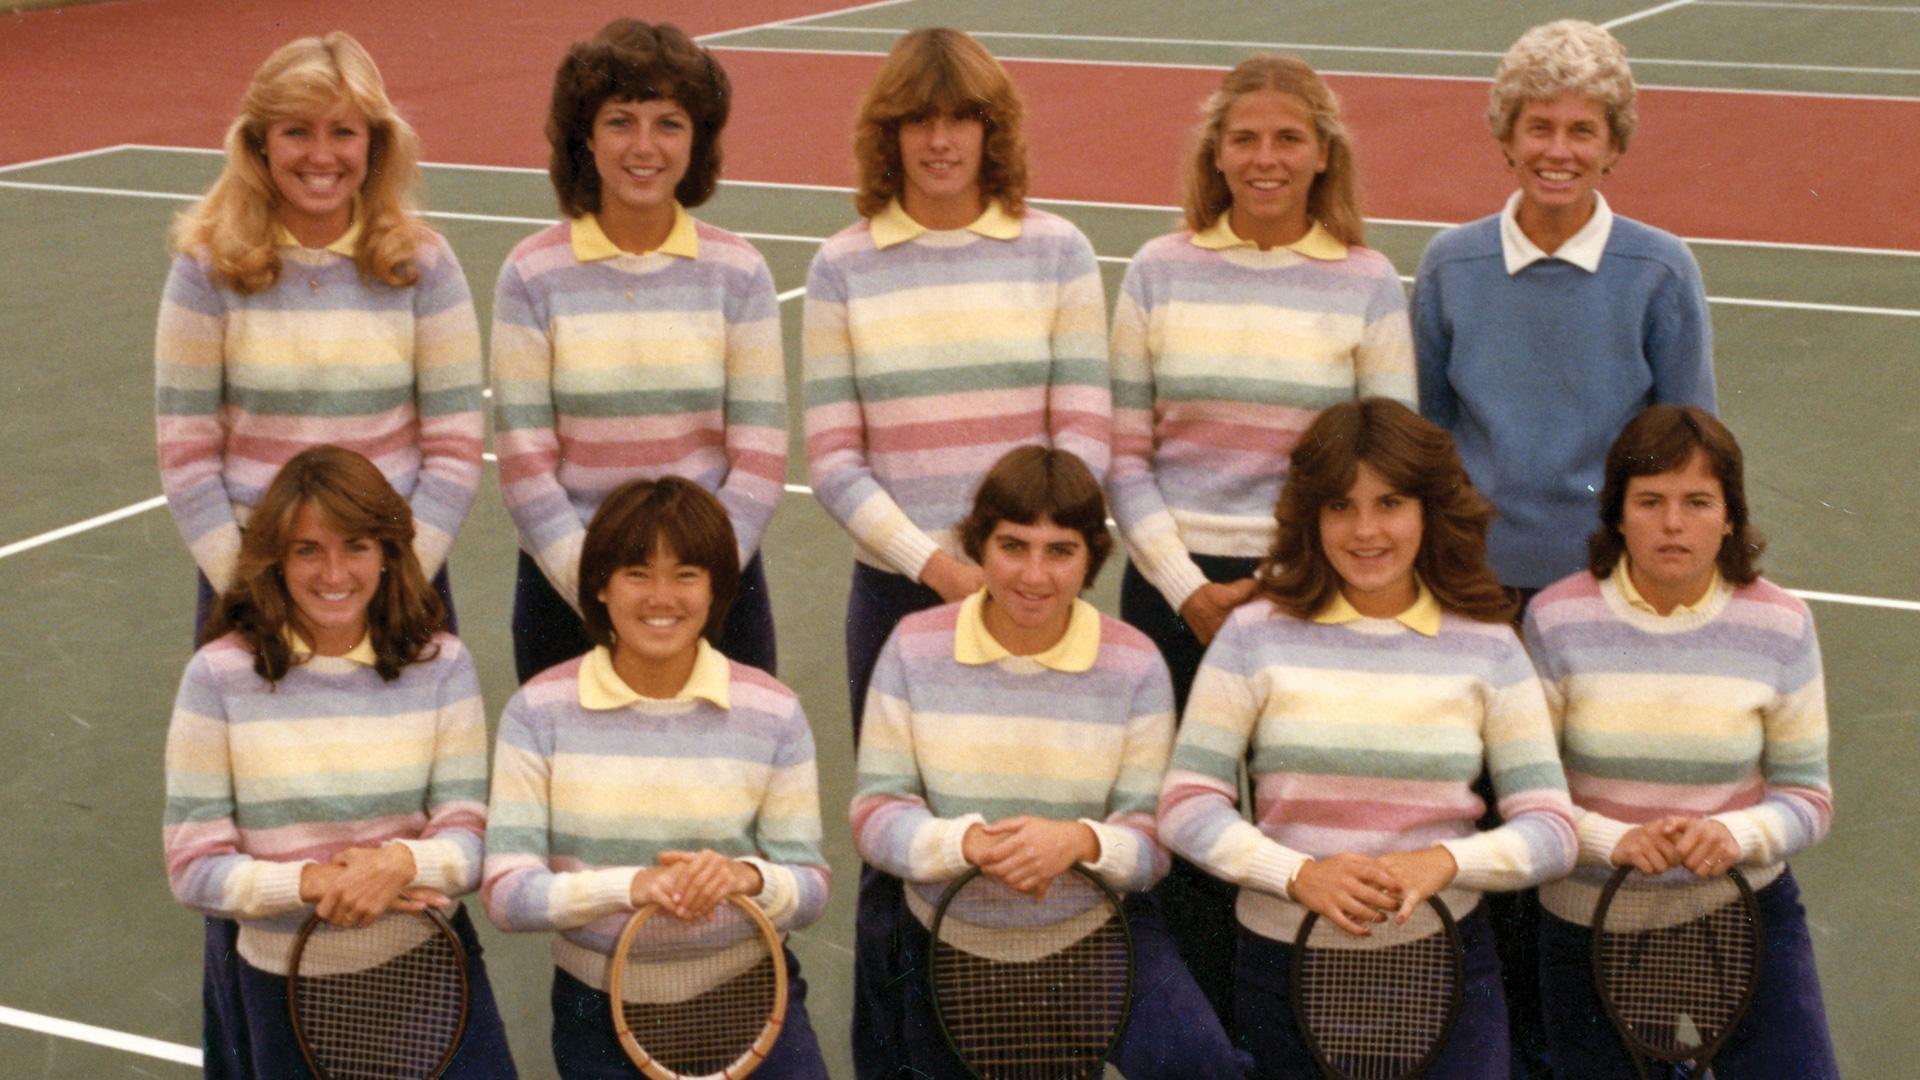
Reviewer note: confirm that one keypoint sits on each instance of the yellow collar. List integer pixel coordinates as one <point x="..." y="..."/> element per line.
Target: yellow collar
<point x="895" y="226"/>
<point x="344" y="245"/>
<point x="602" y="688"/>
<point x="1318" y="243"/>
<point x="1422" y="617"/>
<point x="1075" y="652"/>
<point x="1633" y="598"/>
<point x="360" y="654"/>
<point x="590" y="242"/>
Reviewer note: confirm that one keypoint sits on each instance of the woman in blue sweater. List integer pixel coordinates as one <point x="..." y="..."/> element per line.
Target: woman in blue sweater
<point x="1539" y="332"/>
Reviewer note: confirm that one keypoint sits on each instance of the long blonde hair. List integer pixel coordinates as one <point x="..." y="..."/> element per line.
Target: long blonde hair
<point x="1334" y="199"/>
<point x="233" y="223"/>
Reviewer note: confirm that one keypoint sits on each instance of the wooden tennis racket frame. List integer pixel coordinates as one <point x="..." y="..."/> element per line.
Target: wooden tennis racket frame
<point x="1457" y="955"/>
<point x="441" y="926"/>
<point x="769" y="1034"/>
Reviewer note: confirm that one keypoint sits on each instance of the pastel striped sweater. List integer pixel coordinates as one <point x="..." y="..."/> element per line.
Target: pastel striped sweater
<point x="263" y="779"/>
<point x="1365" y="737"/>
<point x="635" y="365"/>
<point x="1721" y="712"/>
<point x="584" y="798"/>
<point x="246" y="381"/>
<point x="946" y="745"/>
<point x="1221" y="358"/>
<point x="927" y="360"/>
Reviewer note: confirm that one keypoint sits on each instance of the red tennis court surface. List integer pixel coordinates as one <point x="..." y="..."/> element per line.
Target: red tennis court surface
<point x="474" y="78"/>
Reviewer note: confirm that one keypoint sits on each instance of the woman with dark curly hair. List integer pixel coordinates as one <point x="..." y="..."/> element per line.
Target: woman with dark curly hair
<point x="307" y="305"/>
<point x="949" y="325"/>
<point x="1366" y="684"/>
<point x="632" y="340"/>
<point x="328" y="754"/>
<point x="1692" y="713"/>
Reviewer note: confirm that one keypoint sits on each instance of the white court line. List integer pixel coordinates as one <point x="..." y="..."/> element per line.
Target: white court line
<point x="58" y="158"/>
<point x="1808" y="7"/>
<point x="777" y="185"/>
<point x="1860" y="601"/>
<point x="77" y="527"/>
<point x="1648" y="13"/>
<point x="99" y="1036"/>
<point x="1301" y="46"/>
<point x="798" y="20"/>
<point x="1119" y="260"/>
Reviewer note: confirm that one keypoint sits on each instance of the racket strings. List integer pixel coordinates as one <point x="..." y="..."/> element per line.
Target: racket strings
<point x="395" y="1016"/>
<point x="1377" y="1013"/>
<point x="1679" y="982"/>
<point x="1047" y="1018"/>
<point x="696" y="1014"/>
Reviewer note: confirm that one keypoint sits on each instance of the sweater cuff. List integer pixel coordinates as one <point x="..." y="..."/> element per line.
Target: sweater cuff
<point x="1746" y="832"/>
<point x="1477" y="864"/>
<point x="938" y="848"/>
<point x="437" y="864"/>
<point x="600" y="893"/>
<point x="1177" y="579"/>
<point x="1599" y="835"/>
<point x="908" y="551"/>
<point x="778" y="895"/>
<point x="1119" y="857"/>
<point x="1272" y="868"/>
<point x="276" y="887"/>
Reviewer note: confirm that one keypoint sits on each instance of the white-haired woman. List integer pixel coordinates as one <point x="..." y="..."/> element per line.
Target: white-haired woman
<point x="1540" y="331"/>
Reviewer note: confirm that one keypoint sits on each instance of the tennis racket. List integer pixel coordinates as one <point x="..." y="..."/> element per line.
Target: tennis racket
<point x="701" y="999"/>
<point x="386" y="1002"/>
<point x="1379" y="1007"/>
<point x="1031" y="989"/>
<point x="1676" y="963"/>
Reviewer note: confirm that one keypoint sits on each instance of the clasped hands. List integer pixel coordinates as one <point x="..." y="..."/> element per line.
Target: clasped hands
<point x="1354" y="891"/>
<point x="1026" y="853"/>
<point x="1703" y="846"/>
<point x="361" y="884"/>
<point x="689" y="884"/>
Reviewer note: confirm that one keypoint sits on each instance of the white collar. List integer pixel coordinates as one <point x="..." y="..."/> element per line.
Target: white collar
<point x="1583" y="249"/>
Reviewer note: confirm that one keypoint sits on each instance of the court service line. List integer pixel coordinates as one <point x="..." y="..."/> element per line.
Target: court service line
<point x="780" y="185"/>
<point x="797" y="20"/>
<point x="58" y="158"/>
<point x="1657" y="9"/>
<point x="78" y="527"/>
<point x="1118" y="260"/>
<point x="1301" y="46"/>
<point x="99" y="1036"/>
<point x="1808" y="7"/>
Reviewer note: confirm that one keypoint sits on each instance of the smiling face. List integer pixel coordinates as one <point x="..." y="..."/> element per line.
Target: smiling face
<point x="331" y="578"/>
<point x="1559" y="150"/>
<point x="1270" y="154"/>
<point x="941" y="155"/>
<point x="1034" y="573"/>
<point x="1372" y="536"/>
<point x="657" y="609"/>
<point x="641" y="150"/>
<point x="1673" y="524"/>
<point x="317" y="164"/>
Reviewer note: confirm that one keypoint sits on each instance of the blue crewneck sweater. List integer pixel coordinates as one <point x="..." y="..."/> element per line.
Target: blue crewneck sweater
<point x="1535" y="373"/>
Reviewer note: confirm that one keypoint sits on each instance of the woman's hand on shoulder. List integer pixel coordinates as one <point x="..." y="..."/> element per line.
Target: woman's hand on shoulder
<point x="1207" y="609"/>
<point x="952" y="579"/>
<point x="1352" y="891"/>
<point x="689" y="884"/>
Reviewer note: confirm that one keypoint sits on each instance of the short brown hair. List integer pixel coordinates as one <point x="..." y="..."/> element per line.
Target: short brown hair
<point x="629" y="60"/>
<point x="1416" y="459"/>
<point x="1334" y="198"/>
<point x="671" y="510"/>
<point x="945" y="72"/>
<point x="1032" y="483"/>
<point x="354" y="498"/>
<point x="1661" y="439"/>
